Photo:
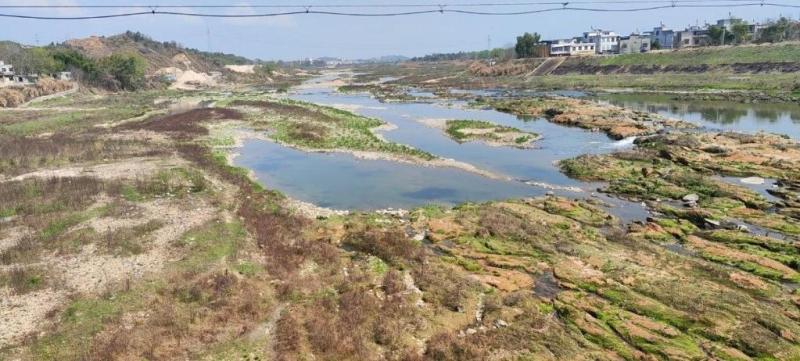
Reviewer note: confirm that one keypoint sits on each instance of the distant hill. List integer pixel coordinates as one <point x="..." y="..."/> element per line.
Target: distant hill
<point x="158" y="54"/>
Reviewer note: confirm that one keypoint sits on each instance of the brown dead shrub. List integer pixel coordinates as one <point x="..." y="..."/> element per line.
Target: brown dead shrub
<point x="287" y="110"/>
<point x="308" y="132"/>
<point x="393" y="282"/>
<point x="288" y="337"/>
<point x="391" y="245"/>
<point x="185" y="125"/>
<point x="447" y="346"/>
<point x="441" y="286"/>
<point x="21" y="153"/>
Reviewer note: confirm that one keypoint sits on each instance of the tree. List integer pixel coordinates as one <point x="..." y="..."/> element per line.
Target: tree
<point x="716" y="33"/>
<point x="655" y="45"/>
<point x="526" y="45"/>
<point x="126" y="69"/>
<point x="741" y="31"/>
<point x="776" y="31"/>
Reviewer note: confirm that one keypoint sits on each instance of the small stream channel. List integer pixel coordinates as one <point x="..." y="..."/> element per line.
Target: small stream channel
<point x="341" y="181"/>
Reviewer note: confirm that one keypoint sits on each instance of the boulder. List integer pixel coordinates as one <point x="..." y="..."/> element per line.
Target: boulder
<point x="692" y="197"/>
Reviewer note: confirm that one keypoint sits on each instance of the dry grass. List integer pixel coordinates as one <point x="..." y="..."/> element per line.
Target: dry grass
<point x="15" y="96"/>
<point x="22" y="153"/>
<point x="287" y="110"/>
<point x="185" y="125"/>
<point x="514" y="67"/>
<point x="23" y="279"/>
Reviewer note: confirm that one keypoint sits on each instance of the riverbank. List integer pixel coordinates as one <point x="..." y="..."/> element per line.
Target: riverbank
<point x="185" y="256"/>
<point x="764" y="73"/>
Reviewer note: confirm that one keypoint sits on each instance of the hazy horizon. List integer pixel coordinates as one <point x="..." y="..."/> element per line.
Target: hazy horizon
<point x="312" y="36"/>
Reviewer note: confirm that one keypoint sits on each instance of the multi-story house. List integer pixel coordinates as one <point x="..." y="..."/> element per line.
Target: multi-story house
<point x="570" y="47"/>
<point x="605" y="42"/>
<point x="691" y="37"/>
<point x="634" y="43"/>
<point x="663" y="36"/>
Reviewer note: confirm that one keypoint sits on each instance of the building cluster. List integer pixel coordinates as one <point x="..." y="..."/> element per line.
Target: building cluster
<point x="8" y="77"/>
<point x="600" y="41"/>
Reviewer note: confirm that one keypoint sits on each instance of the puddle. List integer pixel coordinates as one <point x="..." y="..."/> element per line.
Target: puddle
<point x="758" y="188"/>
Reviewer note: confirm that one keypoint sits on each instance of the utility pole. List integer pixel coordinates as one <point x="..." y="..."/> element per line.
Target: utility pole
<point x="722" y="41"/>
<point x="489" y="42"/>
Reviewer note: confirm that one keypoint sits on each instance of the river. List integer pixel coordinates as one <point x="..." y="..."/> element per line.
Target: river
<point x="341" y="181"/>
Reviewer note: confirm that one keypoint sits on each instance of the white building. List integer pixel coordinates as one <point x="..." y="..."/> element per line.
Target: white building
<point x="634" y="43"/>
<point x="6" y="69"/>
<point x="605" y="42"/>
<point x="8" y="77"/>
<point x="570" y="47"/>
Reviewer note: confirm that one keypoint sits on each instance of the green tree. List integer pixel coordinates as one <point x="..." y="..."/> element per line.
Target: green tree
<point x="39" y="61"/>
<point x="716" y="34"/>
<point x="741" y="31"/>
<point x="655" y="45"/>
<point x="526" y="45"/>
<point x="776" y="31"/>
<point x="126" y="69"/>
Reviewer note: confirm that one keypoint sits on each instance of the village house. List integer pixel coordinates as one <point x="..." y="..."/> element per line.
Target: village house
<point x="605" y="42"/>
<point x="9" y="78"/>
<point x="663" y="36"/>
<point x="634" y="43"/>
<point x="691" y="37"/>
<point x="570" y="47"/>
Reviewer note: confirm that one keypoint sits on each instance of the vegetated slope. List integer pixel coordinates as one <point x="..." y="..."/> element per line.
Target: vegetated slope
<point x="738" y="59"/>
<point x="9" y="49"/>
<point x="157" y="54"/>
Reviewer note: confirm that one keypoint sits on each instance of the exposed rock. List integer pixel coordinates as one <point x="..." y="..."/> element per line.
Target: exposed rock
<point x="691" y="198"/>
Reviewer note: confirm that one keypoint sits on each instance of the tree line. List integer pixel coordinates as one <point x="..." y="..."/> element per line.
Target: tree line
<point x="114" y="72"/>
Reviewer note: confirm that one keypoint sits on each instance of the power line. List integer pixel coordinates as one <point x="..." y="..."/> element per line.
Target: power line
<point x="390" y="5"/>
<point x="442" y="9"/>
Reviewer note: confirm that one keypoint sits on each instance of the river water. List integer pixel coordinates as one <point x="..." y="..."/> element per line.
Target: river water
<point x="778" y="118"/>
<point x="341" y="181"/>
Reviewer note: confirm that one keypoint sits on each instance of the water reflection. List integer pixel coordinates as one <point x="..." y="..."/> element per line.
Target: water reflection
<point x="779" y="118"/>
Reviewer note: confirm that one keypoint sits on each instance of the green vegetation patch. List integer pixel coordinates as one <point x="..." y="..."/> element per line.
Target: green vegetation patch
<point x="214" y="242"/>
<point x="466" y="130"/>
<point x="317" y="127"/>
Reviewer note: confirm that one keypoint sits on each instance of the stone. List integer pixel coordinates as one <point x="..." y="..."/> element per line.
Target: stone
<point x="692" y="197"/>
<point x="500" y="323"/>
<point x="713" y="224"/>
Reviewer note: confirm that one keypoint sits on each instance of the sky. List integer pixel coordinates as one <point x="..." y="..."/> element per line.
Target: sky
<point x="311" y="36"/>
